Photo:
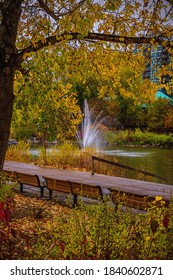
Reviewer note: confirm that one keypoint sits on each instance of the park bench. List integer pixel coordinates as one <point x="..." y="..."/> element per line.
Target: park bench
<point x="88" y="191"/>
<point x="76" y="189"/>
<point x="57" y="185"/>
<point x="131" y="200"/>
<point x="30" y="180"/>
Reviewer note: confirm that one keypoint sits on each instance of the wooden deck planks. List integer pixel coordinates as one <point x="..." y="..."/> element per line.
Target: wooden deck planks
<point x="105" y="182"/>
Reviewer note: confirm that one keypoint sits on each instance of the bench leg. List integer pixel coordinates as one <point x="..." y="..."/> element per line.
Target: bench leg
<point x="50" y="194"/>
<point x="41" y="192"/>
<point x="75" y="200"/>
<point x="21" y="187"/>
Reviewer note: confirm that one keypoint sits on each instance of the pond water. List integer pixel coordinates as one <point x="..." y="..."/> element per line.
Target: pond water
<point x="156" y="160"/>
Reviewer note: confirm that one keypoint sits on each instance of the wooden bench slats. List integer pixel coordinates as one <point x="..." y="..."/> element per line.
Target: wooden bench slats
<point x="86" y="190"/>
<point x="57" y="185"/>
<point x="73" y="188"/>
<point x="29" y="179"/>
<point x="130" y="200"/>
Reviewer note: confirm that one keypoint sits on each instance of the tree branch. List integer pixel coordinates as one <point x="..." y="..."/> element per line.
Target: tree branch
<point x="45" y="7"/>
<point x="34" y="47"/>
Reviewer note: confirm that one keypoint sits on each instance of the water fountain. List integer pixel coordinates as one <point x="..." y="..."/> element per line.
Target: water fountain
<point x="89" y="134"/>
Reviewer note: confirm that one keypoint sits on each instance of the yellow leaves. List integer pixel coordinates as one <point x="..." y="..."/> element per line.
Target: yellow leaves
<point x="63" y="37"/>
<point x="147" y="238"/>
<point x="126" y="93"/>
<point x="121" y="40"/>
<point x="25" y="55"/>
<point x="59" y="38"/>
<point x="152" y="41"/>
<point x="158" y="198"/>
<point x="68" y="86"/>
<point x="102" y="91"/>
<point x="35" y="45"/>
<point x="68" y="37"/>
<point x="43" y="40"/>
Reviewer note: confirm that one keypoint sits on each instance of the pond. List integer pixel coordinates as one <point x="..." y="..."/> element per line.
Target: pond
<point x="156" y="160"/>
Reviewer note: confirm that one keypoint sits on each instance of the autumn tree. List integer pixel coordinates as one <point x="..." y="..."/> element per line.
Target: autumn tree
<point x="27" y="26"/>
<point x="43" y="103"/>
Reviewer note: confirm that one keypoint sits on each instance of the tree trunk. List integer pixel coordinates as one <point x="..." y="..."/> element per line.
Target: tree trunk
<point x="6" y="108"/>
<point x="10" y="14"/>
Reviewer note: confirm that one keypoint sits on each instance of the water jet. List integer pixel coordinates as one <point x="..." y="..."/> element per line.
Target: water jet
<point x="89" y="134"/>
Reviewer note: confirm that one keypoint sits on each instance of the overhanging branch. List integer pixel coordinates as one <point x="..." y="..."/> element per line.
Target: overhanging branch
<point x="45" y="7"/>
<point x="94" y="37"/>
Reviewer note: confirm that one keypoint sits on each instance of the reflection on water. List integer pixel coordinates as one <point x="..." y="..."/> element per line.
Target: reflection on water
<point x="156" y="160"/>
<point x="122" y="153"/>
<point x="36" y="151"/>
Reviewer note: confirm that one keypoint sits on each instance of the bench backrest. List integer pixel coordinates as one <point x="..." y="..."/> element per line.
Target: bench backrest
<point x="58" y="185"/>
<point x="28" y="179"/>
<point x="87" y="190"/>
<point x="130" y="200"/>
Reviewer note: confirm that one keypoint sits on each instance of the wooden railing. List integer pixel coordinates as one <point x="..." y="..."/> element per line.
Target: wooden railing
<point x="126" y="167"/>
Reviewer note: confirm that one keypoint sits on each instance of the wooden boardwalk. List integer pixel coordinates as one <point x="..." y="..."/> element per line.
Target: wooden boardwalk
<point x="131" y="186"/>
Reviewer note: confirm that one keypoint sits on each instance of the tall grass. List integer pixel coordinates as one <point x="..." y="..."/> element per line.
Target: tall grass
<point x="19" y="152"/>
<point x="69" y="156"/>
<point x="66" y="156"/>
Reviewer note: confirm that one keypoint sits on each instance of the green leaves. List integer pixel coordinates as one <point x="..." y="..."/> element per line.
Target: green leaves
<point x="46" y="103"/>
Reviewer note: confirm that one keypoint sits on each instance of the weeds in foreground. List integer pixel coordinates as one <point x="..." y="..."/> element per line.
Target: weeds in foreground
<point x="100" y="232"/>
<point x="85" y="232"/>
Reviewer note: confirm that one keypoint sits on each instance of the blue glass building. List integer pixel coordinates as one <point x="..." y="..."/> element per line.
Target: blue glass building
<point x="158" y="56"/>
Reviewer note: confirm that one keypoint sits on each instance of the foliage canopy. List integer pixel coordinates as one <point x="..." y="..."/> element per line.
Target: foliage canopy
<point x="28" y="26"/>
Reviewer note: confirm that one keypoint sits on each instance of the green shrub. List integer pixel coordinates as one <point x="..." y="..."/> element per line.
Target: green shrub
<point x="5" y="188"/>
<point x="110" y="137"/>
<point x="139" y="138"/>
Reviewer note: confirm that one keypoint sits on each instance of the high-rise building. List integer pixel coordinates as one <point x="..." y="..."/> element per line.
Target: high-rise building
<point x="157" y="57"/>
